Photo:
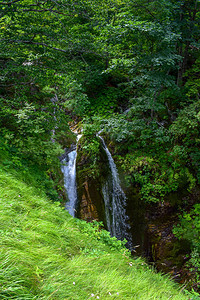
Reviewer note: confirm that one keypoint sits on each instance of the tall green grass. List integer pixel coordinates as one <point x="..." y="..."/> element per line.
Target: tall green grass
<point x="46" y="254"/>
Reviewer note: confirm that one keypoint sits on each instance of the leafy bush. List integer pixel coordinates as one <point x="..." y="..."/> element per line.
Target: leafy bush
<point x="105" y="103"/>
<point x="189" y="229"/>
<point x="185" y="133"/>
<point x="89" y="152"/>
<point x="76" y="99"/>
<point x="96" y="229"/>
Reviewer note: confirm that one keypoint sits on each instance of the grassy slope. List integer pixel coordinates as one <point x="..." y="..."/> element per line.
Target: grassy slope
<point x="46" y="254"/>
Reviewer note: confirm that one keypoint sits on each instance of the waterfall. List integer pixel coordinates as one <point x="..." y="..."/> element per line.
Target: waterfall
<point x="113" y="196"/>
<point x="69" y="170"/>
<point x="114" y="200"/>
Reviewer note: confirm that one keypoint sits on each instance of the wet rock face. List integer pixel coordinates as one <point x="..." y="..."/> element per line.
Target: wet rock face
<point x="89" y="189"/>
<point x="166" y="252"/>
<point x="164" y="245"/>
<point x="87" y="208"/>
<point x="152" y="233"/>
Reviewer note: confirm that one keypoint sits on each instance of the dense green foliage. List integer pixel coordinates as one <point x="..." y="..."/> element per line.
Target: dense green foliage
<point x="130" y="68"/>
<point x="100" y="60"/>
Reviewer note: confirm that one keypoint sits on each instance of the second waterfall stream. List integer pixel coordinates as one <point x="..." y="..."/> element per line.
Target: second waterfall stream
<point x="69" y="171"/>
<point x="113" y="196"/>
<point x="114" y="200"/>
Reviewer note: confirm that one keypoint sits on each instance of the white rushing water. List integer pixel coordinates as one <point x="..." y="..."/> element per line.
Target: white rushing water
<point x="69" y="170"/>
<point x="113" y="195"/>
<point x="114" y="200"/>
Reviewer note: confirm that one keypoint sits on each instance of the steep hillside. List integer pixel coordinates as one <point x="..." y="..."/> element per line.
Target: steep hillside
<point x="46" y="254"/>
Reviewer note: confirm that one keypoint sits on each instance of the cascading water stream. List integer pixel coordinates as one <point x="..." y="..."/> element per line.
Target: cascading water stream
<point x="113" y="195"/>
<point x="69" y="170"/>
<point x="114" y="200"/>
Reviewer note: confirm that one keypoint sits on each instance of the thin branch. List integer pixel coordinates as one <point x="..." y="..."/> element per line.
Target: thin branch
<point x="39" y="44"/>
<point x="54" y="48"/>
<point x="14" y="84"/>
<point x="31" y="42"/>
<point x="9" y="3"/>
<point x="145" y="8"/>
<point x="84" y="60"/>
<point x="39" y="3"/>
<point x="45" y="9"/>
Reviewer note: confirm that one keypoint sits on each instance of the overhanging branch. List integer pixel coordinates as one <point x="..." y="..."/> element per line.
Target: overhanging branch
<point x="9" y="3"/>
<point x="79" y="51"/>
